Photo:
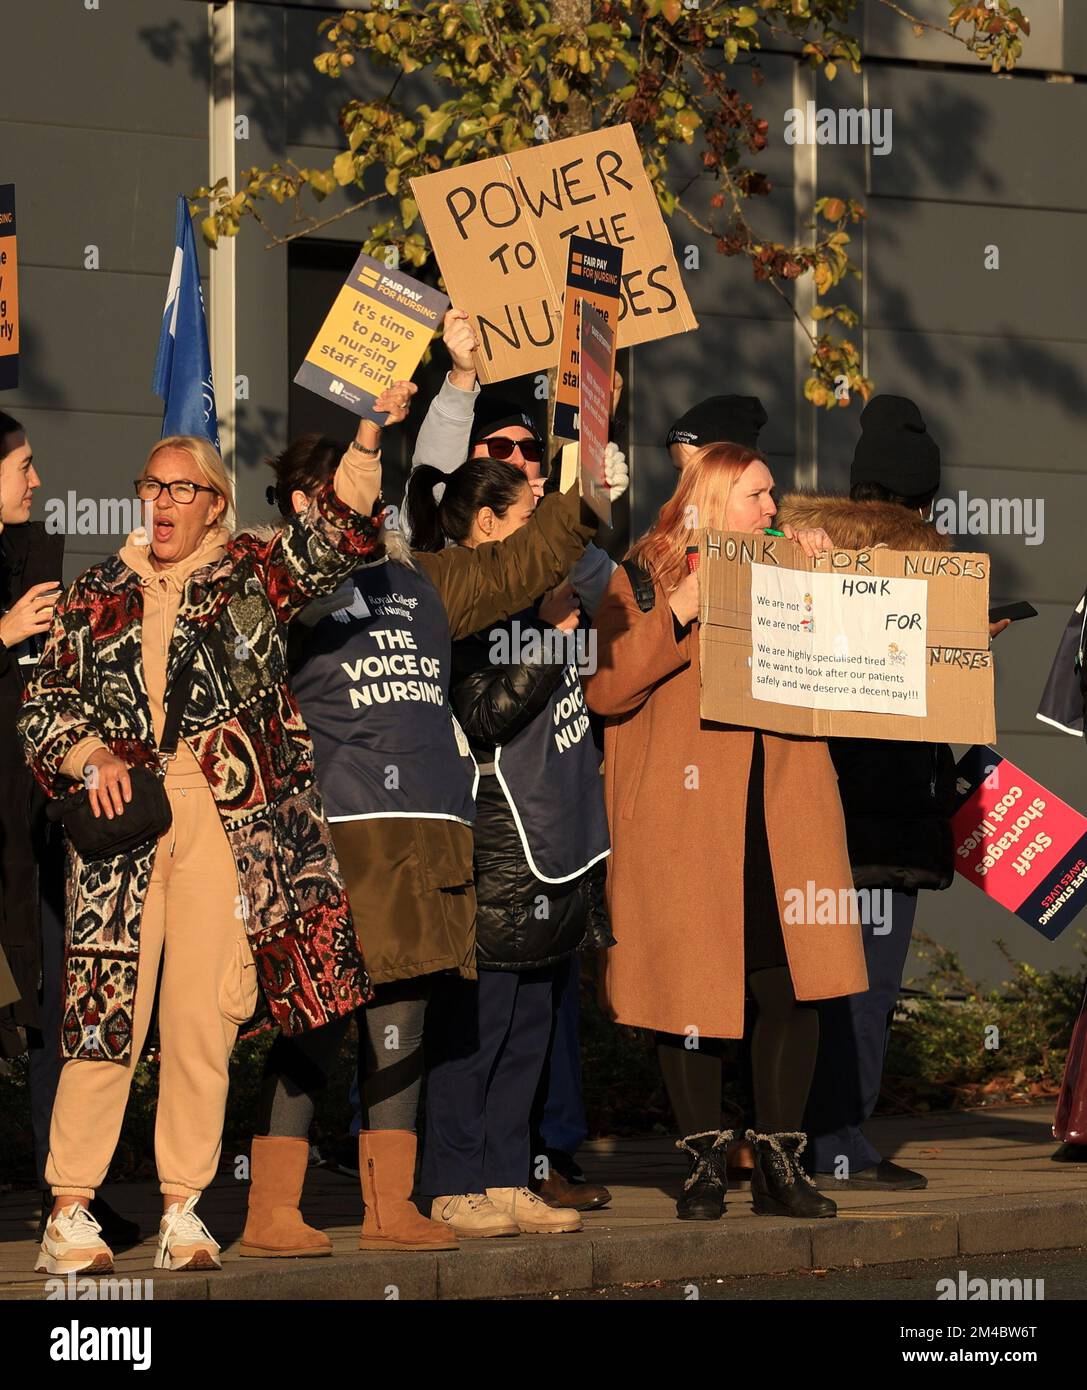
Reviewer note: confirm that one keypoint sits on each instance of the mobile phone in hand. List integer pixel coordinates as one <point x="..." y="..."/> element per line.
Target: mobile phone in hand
<point x="1013" y="611"/>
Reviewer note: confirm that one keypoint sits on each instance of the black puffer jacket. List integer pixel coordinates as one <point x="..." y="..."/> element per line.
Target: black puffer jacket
<point x="522" y="923"/>
<point x="897" y="796"/>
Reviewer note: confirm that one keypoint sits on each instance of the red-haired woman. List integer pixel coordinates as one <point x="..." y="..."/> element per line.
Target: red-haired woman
<point x="711" y="825"/>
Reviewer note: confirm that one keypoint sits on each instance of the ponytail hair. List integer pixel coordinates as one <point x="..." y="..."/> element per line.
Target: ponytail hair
<point x="306" y="464"/>
<point x="474" y="485"/>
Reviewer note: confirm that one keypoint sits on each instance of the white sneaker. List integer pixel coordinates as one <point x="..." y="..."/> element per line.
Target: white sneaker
<point x="73" y="1244"/>
<point x="184" y="1241"/>
<point x="472" y="1216"/>
<point x="532" y="1215"/>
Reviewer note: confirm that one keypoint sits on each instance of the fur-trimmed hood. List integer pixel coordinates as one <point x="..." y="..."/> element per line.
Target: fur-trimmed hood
<point x="860" y="525"/>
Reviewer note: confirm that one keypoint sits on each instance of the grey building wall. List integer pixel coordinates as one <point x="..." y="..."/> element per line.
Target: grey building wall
<point x="997" y="359"/>
<point x="100" y="129"/>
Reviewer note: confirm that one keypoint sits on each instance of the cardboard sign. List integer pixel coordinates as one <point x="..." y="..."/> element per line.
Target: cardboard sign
<point x="376" y="332"/>
<point x="848" y="645"/>
<point x="1022" y="846"/>
<point x="499" y="228"/>
<point x="593" y="274"/>
<point x="9" y="291"/>
<point x="597" y="370"/>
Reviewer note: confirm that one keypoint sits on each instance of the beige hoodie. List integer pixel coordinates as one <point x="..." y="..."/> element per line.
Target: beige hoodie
<point x="357" y="481"/>
<point x="162" y="591"/>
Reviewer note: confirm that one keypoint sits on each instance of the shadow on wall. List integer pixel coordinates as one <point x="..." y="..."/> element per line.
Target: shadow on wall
<point x="40" y="388"/>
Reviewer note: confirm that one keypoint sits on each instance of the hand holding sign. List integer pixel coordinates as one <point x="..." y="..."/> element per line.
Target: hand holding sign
<point x="461" y="343"/>
<point x="395" y="402"/>
<point x="812" y="543"/>
<point x="685" y="598"/>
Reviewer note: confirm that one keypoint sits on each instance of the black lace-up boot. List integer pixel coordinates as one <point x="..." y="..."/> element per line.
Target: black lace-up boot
<point x="703" y="1197"/>
<point x="779" y="1184"/>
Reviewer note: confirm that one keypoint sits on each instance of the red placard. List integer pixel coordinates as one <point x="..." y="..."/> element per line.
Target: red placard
<point x="597" y="373"/>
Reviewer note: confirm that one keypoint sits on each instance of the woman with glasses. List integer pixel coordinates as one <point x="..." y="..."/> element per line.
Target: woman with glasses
<point x="463" y="422"/>
<point x="244" y="886"/>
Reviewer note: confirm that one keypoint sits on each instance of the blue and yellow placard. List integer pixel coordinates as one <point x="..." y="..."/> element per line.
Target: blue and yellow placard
<point x="375" y="333"/>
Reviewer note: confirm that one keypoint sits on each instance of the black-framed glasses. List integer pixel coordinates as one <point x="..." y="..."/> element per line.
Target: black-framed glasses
<point x="501" y="447"/>
<point x="182" y="491"/>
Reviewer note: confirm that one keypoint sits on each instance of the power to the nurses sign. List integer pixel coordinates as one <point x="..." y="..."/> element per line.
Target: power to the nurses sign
<point x="376" y="332"/>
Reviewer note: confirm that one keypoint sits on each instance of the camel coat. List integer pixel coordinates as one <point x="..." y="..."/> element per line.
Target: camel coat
<point x="676" y="792"/>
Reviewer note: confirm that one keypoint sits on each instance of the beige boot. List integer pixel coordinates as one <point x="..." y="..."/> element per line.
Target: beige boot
<point x="532" y="1215"/>
<point x="473" y="1216"/>
<point x="387" y="1172"/>
<point x="274" y="1225"/>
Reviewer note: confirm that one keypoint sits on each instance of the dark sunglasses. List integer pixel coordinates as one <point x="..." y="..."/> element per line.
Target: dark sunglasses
<point x="501" y="447"/>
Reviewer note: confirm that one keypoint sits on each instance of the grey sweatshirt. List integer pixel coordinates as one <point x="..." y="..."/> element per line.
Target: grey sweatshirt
<point x="443" y="444"/>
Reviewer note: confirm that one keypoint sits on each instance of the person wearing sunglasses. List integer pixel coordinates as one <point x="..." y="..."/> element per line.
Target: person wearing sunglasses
<point x="188" y="619"/>
<point x="463" y="422"/>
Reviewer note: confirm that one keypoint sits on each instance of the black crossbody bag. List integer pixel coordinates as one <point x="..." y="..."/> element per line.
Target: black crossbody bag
<point x="147" y="815"/>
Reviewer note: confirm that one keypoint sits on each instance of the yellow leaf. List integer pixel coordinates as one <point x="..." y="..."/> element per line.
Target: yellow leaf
<point x="343" y="167"/>
<point x="210" y="231"/>
<point x="392" y="182"/>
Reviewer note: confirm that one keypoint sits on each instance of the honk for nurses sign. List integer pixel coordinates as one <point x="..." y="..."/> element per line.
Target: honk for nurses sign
<point x="499" y="228"/>
<point x="857" y="643"/>
<point x="1022" y="846"/>
<point x="376" y="332"/>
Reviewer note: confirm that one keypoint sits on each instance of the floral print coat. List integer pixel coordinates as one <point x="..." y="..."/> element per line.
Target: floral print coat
<point x="244" y="727"/>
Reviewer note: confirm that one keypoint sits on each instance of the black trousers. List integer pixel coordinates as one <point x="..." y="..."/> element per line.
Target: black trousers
<point x="486" y="1044"/>
<point x="784" y="1038"/>
<point x="44" y="1057"/>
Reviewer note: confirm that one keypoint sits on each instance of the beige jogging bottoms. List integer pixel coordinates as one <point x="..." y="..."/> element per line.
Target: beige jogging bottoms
<point x="192" y="925"/>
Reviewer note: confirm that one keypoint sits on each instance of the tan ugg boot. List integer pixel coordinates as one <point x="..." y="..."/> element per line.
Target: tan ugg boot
<point x="274" y="1225"/>
<point x="387" y="1172"/>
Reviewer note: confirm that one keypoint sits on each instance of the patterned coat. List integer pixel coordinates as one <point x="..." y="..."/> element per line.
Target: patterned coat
<point x="245" y="729"/>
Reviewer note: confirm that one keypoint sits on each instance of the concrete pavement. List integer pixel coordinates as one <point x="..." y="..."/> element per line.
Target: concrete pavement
<point x="992" y="1188"/>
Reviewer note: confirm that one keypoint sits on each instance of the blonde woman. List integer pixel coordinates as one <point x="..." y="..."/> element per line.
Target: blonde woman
<point x="711" y="825"/>
<point x="243" y="890"/>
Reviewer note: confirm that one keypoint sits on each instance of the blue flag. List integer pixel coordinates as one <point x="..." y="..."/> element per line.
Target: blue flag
<point x="183" y="365"/>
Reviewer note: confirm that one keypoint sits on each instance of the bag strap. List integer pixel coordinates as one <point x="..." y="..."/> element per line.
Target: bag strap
<point x="645" y="594"/>
<point x="175" y="705"/>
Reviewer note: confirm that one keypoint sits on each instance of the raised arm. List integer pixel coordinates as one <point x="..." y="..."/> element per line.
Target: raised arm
<point x="443" y="437"/>
<point x="492" y="582"/>
<point x="321" y="546"/>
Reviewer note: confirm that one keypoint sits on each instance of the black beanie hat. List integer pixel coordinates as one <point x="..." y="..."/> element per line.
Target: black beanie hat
<point x="494" y="413"/>
<point x="895" y="450"/>
<point x="735" y="419"/>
